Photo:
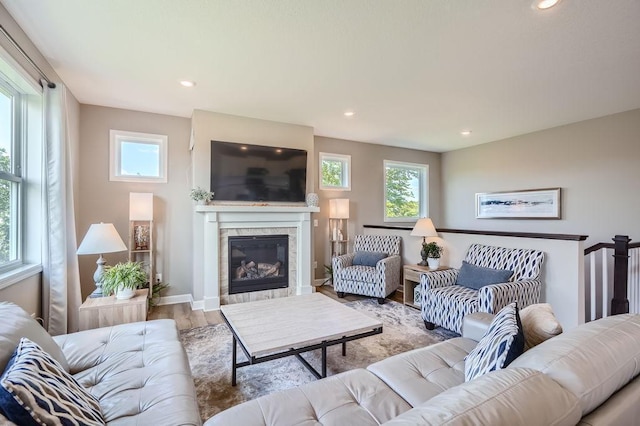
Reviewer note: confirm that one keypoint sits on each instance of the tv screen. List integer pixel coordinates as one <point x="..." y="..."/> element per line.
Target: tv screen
<point x="243" y="172"/>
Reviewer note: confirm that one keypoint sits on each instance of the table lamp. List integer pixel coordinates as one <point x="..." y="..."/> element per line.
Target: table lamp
<point x="424" y="228"/>
<point x="101" y="238"/>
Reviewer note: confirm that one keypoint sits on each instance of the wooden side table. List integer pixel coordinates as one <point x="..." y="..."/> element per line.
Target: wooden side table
<point x="107" y="311"/>
<point x="411" y="279"/>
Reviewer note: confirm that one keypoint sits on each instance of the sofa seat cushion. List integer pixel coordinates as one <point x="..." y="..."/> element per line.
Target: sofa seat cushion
<point x="360" y="273"/>
<point x="354" y="397"/>
<point x="511" y="397"/>
<point x="421" y="374"/>
<point x="592" y="361"/>
<point x="35" y="389"/>
<point x="22" y="325"/>
<point x="139" y="372"/>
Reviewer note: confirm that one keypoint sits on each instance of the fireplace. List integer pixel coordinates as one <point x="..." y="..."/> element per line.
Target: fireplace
<point x="258" y="263"/>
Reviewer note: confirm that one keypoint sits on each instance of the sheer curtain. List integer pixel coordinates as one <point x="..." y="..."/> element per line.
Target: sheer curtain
<point x="60" y="277"/>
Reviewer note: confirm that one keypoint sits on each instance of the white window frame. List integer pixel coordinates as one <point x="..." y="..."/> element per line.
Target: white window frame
<point x="117" y="137"/>
<point x="423" y="190"/>
<point x="345" y="161"/>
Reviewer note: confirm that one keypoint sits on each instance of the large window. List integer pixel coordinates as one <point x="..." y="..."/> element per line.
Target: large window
<point x="335" y="172"/>
<point x="406" y="191"/>
<point x="11" y="135"/>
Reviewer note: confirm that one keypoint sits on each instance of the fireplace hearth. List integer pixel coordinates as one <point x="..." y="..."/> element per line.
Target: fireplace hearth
<point x="258" y="263"/>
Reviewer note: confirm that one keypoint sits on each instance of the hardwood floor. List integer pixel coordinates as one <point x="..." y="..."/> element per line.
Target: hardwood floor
<point x="186" y="318"/>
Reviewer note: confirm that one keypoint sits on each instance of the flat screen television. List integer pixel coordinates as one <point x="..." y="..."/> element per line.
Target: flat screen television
<point x="244" y="172"/>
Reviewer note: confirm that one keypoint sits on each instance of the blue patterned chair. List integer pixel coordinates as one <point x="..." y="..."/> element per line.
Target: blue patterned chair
<point x="445" y="304"/>
<point x="375" y="281"/>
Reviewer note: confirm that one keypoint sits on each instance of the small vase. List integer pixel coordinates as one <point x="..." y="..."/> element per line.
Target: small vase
<point x="433" y="263"/>
<point x="313" y="200"/>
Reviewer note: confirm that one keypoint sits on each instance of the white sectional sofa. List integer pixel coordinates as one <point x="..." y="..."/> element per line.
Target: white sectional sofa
<point x="138" y="372"/>
<point x="587" y="376"/>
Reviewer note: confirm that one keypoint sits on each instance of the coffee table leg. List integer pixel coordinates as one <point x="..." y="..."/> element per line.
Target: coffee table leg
<point x="324" y="361"/>
<point x="233" y="362"/>
<point x="344" y="348"/>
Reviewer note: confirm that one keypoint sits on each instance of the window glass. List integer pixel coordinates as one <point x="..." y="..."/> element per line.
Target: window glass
<point x="335" y="171"/>
<point x="140" y="159"/>
<point x="6" y="127"/>
<point x="405" y="191"/>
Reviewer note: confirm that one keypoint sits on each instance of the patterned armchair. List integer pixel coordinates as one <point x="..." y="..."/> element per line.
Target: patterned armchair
<point x="445" y="304"/>
<point x="375" y="281"/>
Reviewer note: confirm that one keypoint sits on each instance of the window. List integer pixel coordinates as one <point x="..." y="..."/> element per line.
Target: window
<point x="137" y="157"/>
<point x="11" y="106"/>
<point x="335" y="172"/>
<point x="406" y="191"/>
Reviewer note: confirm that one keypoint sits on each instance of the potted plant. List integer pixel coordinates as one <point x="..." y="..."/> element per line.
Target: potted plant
<point x="123" y="279"/>
<point x="434" y="252"/>
<point x="201" y="196"/>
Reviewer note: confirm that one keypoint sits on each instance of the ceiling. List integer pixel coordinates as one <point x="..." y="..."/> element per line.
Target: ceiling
<point x="415" y="72"/>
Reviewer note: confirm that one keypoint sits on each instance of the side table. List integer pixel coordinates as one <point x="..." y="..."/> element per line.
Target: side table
<point x="411" y="279"/>
<point x="106" y="311"/>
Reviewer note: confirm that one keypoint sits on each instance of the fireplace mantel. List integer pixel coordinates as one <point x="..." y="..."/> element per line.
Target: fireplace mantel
<point x="209" y="220"/>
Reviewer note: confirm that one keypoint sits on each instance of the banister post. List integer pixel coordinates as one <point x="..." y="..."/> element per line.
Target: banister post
<point x="620" y="303"/>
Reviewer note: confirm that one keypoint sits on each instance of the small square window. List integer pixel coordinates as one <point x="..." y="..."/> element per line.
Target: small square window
<point x="335" y="172"/>
<point x="137" y="157"/>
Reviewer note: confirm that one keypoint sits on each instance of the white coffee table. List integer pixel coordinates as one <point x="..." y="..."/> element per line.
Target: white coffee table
<point x="276" y="328"/>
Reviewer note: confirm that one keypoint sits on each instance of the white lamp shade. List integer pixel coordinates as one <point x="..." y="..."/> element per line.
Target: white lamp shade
<point x="140" y="206"/>
<point x="339" y="208"/>
<point x="424" y="228"/>
<point x="101" y="238"/>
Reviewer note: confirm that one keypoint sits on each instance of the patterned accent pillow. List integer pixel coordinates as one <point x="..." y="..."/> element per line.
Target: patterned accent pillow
<point x="35" y="390"/>
<point x="368" y="258"/>
<point x="539" y="324"/>
<point x="501" y="344"/>
<point x="476" y="277"/>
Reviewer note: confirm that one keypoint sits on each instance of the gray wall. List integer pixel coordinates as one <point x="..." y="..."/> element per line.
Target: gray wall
<point x="367" y="186"/>
<point x="595" y="162"/>
<point x="105" y="201"/>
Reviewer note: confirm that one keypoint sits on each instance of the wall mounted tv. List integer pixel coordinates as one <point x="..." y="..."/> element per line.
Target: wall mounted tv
<point x="243" y="172"/>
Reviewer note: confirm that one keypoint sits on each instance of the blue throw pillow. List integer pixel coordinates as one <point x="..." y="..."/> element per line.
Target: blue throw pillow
<point x="475" y="277"/>
<point x="35" y="390"/>
<point x="368" y="258"/>
<point x="501" y="344"/>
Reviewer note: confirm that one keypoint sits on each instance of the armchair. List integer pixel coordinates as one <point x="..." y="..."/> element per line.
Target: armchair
<point x="376" y="281"/>
<point x="445" y="303"/>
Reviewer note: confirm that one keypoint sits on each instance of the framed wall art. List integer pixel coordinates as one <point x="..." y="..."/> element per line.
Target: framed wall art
<point x="525" y="204"/>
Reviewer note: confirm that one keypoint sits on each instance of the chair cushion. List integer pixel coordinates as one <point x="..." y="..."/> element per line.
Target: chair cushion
<point x="368" y="258"/>
<point x="359" y="273"/>
<point x="35" y="389"/>
<point x="476" y="277"/>
<point x="502" y="343"/>
<point x="538" y="324"/>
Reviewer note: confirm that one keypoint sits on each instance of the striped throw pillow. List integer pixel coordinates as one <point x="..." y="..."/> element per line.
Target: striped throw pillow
<point x="502" y="343"/>
<point x="35" y="390"/>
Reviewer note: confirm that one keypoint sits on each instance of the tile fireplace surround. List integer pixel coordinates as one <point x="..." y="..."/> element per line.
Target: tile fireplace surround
<point x="212" y="227"/>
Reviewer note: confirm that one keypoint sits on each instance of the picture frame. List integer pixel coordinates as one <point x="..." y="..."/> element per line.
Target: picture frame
<point x="524" y="204"/>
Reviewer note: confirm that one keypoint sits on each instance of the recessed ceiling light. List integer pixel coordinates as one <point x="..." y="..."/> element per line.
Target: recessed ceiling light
<point x="349" y="113"/>
<point x="545" y="4"/>
<point x="465" y="132"/>
<point x="187" y="83"/>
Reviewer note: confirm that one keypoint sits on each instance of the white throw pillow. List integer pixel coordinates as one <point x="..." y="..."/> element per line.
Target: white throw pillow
<point x="539" y="324"/>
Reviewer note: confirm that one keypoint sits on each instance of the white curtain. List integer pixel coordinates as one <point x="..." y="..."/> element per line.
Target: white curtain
<point x="60" y="277"/>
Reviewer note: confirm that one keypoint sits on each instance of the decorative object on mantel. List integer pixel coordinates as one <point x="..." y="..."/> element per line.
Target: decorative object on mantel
<point x="101" y="238"/>
<point x="201" y="196"/>
<point x="313" y="200"/>
<point x="525" y="204"/>
<point x="338" y="211"/>
<point x="424" y="228"/>
<point x="434" y="252"/>
<point x="123" y="279"/>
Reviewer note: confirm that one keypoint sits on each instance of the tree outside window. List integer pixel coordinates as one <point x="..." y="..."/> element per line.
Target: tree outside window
<point x="406" y="191"/>
<point x="335" y="172"/>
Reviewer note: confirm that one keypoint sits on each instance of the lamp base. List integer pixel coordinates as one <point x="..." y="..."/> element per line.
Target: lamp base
<point x="96" y="293"/>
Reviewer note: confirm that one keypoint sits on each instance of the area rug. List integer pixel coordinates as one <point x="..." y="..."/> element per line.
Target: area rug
<point x="209" y="352"/>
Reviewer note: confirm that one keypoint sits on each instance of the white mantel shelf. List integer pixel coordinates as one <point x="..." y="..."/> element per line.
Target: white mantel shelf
<point x="211" y="220"/>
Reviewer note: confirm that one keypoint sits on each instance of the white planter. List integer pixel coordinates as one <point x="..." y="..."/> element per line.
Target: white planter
<point x="433" y="263"/>
<point x="125" y="293"/>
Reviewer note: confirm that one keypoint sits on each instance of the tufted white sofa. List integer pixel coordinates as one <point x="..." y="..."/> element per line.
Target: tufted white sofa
<point x="139" y="372"/>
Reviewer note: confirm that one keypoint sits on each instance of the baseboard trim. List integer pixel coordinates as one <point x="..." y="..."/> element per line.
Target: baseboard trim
<point x="177" y="298"/>
<point x="197" y="305"/>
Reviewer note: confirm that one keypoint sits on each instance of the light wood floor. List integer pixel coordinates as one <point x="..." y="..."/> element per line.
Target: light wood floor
<point x="186" y="318"/>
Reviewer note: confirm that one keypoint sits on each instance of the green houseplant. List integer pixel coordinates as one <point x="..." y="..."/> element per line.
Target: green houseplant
<point x="201" y="196"/>
<point x="434" y="252"/>
<point x="123" y="279"/>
